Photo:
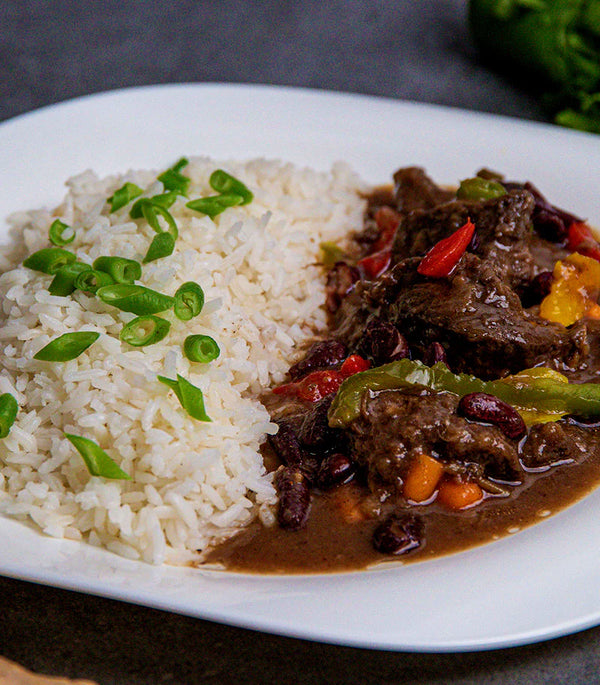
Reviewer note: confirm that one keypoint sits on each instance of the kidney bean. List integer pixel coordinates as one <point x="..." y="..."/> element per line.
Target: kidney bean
<point x="340" y="281"/>
<point x="335" y="469"/>
<point x="314" y="431"/>
<point x="294" y="498"/>
<point x="286" y="445"/>
<point x="479" y="406"/>
<point x="382" y="342"/>
<point x="435" y="353"/>
<point x="321" y="355"/>
<point x="538" y="289"/>
<point x="399" y="534"/>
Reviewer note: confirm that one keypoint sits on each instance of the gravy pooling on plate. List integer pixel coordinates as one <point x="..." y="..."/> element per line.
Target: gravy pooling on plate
<point x="455" y="398"/>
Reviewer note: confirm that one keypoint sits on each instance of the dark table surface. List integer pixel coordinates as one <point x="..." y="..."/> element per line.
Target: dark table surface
<point x="55" y="50"/>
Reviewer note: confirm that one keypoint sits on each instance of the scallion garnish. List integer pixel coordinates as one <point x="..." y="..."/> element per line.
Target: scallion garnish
<point x="121" y="270"/>
<point x="67" y="346"/>
<point x="162" y="245"/>
<point x="97" y="461"/>
<point x="57" y="232"/>
<point x="135" y="299"/>
<point x="201" y="348"/>
<point x="91" y="280"/>
<point x="189" y="300"/>
<point x="63" y="283"/>
<point x="49" y="260"/>
<point x="226" y="184"/>
<point x="173" y="179"/>
<point x="190" y="397"/>
<point x="124" y="196"/>
<point x="151" y="210"/>
<point x="215" y="204"/>
<point x="8" y="413"/>
<point x="144" y="330"/>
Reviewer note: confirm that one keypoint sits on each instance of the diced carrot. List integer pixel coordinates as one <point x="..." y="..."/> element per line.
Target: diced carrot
<point x="455" y="494"/>
<point x="594" y="311"/>
<point x="422" y="479"/>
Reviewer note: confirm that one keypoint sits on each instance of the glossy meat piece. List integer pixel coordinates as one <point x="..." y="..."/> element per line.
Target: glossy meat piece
<point x="396" y="425"/>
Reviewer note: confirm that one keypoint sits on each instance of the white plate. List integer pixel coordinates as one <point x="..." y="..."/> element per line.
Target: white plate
<point x="537" y="584"/>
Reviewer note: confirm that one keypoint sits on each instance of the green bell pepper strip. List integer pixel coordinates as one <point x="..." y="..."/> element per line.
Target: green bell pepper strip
<point x="543" y="392"/>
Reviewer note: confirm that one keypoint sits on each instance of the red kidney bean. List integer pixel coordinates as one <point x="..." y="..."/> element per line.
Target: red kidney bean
<point x="321" y="355"/>
<point x="314" y="431"/>
<point x="294" y="498"/>
<point x="340" y="281"/>
<point x="435" y="353"/>
<point x="335" y="469"/>
<point x="399" y="534"/>
<point x="479" y="406"/>
<point x="286" y="445"/>
<point x="537" y="290"/>
<point x="382" y="342"/>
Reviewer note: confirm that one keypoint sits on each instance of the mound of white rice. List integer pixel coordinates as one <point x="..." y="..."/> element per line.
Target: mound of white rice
<point x="193" y="483"/>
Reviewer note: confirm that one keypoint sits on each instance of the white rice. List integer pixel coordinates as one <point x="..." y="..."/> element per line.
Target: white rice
<point x="193" y="483"/>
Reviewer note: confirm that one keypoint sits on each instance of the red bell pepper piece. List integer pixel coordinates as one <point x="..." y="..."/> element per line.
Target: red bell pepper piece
<point x="375" y="264"/>
<point x="445" y="255"/>
<point x="387" y="220"/>
<point x="318" y="384"/>
<point x="581" y="239"/>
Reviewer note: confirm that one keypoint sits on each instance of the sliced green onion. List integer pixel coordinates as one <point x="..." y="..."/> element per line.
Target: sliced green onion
<point x="162" y="245"/>
<point x="226" y="184"/>
<point x="173" y="179"/>
<point x="49" y="260"/>
<point x="189" y="300"/>
<point x="97" y="461"/>
<point x="190" y="397"/>
<point x="135" y="299"/>
<point x="165" y="200"/>
<point x="8" y="413"/>
<point x="151" y="210"/>
<point x="124" y="196"/>
<point x="91" y="280"/>
<point x="201" y="348"/>
<point x="144" y="330"/>
<point x="63" y="283"/>
<point x="121" y="270"/>
<point x="67" y="346"/>
<point x="215" y="204"/>
<point x="57" y="231"/>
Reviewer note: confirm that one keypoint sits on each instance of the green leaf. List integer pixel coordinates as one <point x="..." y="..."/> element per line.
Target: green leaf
<point x="97" y="461"/>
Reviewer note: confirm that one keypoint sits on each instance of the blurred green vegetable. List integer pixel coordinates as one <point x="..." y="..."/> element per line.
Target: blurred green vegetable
<point x="553" y="43"/>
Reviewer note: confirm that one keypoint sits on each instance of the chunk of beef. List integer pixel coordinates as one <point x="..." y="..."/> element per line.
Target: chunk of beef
<point x="396" y="425"/>
<point x="503" y="230"/>
<point x="413" y="189"/>
<point x="549" y="444"/>
<point x="477" y="318"/>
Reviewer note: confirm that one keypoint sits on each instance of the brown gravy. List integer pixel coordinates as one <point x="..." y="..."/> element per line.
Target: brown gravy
<point x="330" y="544"/>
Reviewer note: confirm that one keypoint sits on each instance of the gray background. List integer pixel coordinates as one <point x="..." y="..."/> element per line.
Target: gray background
<point x="52" y="51"/>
